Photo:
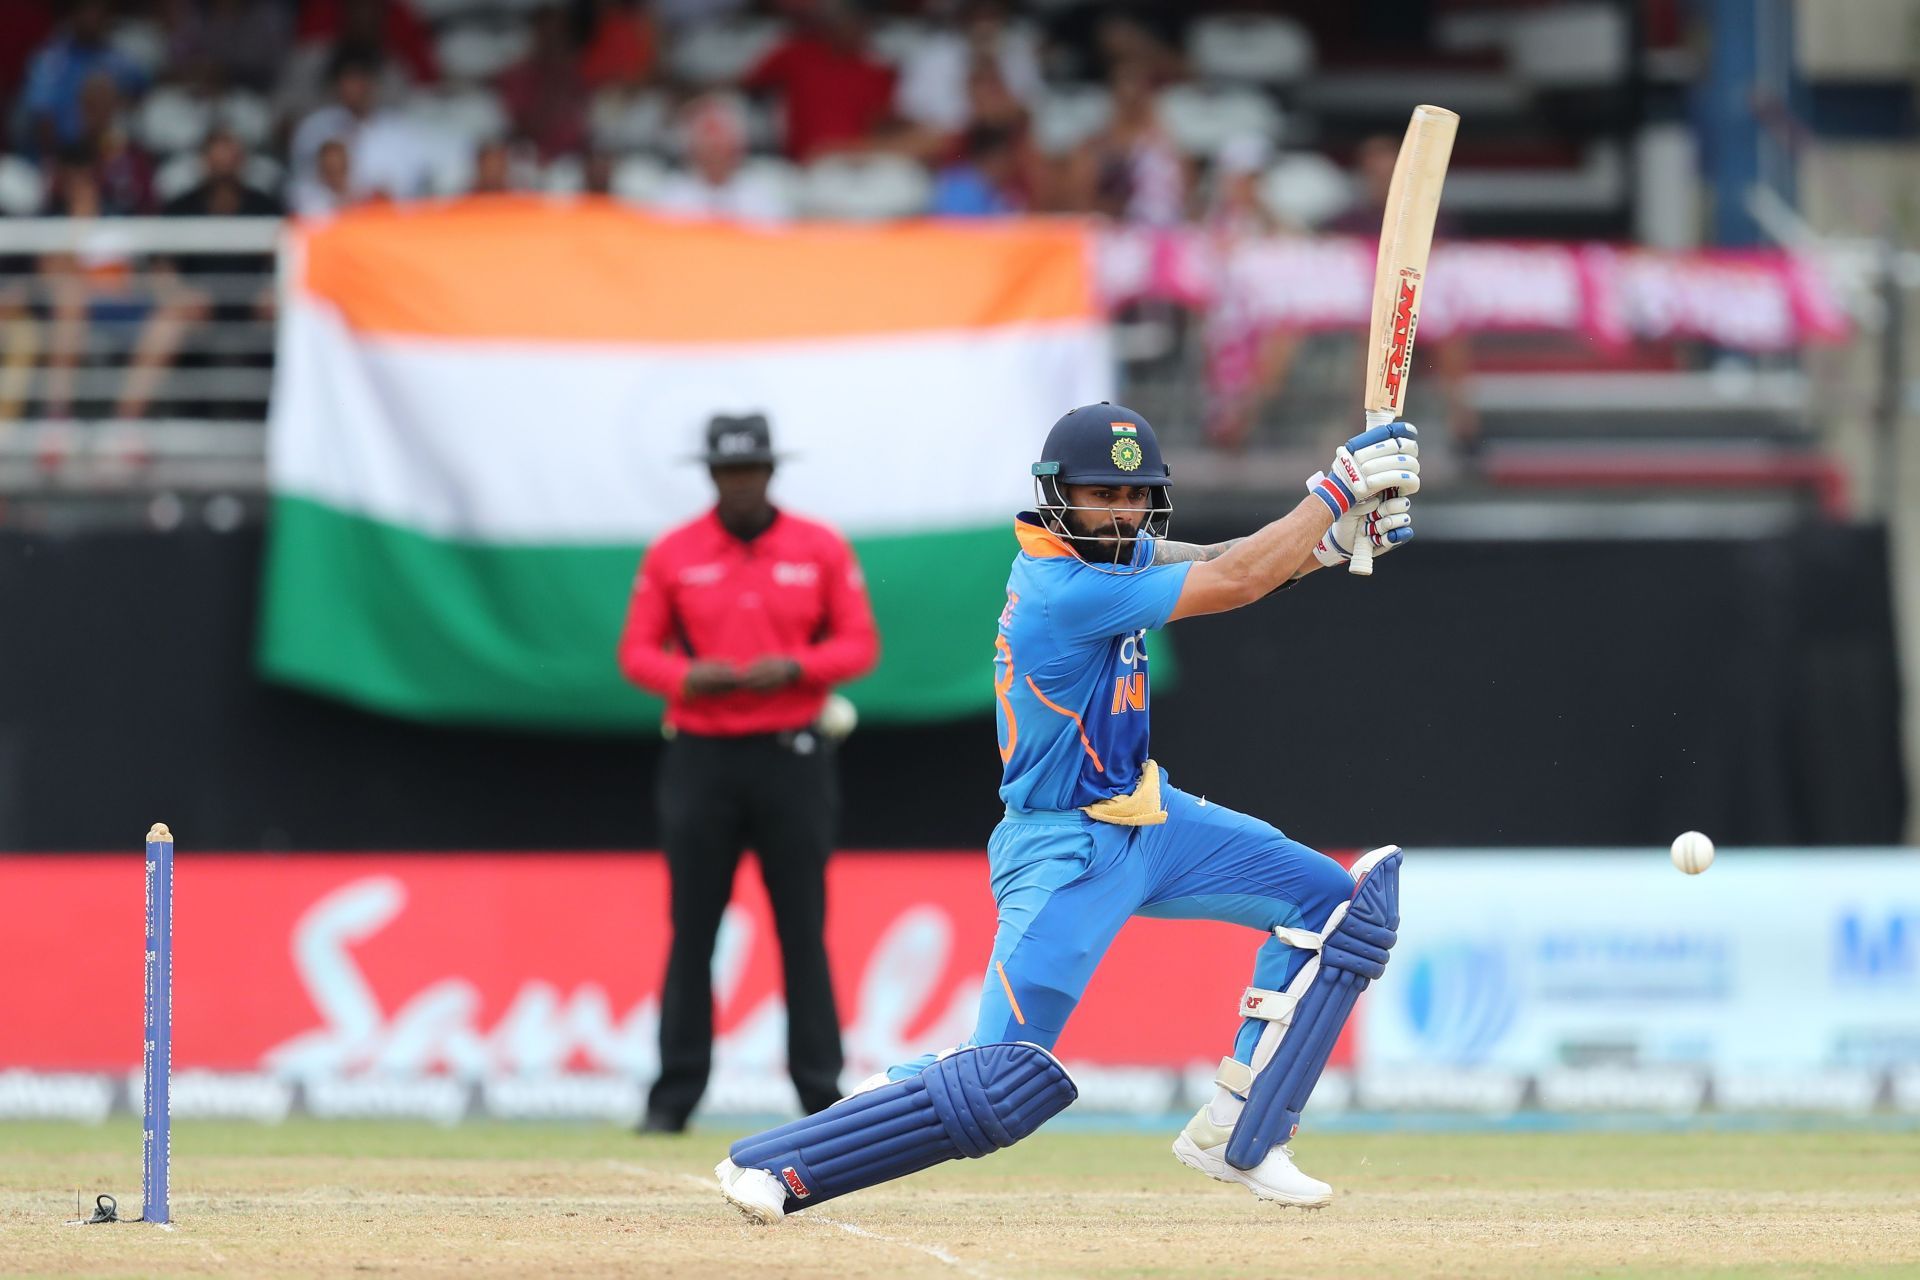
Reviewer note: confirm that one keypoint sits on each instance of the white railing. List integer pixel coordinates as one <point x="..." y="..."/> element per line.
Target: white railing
<point x="136" y="354"/>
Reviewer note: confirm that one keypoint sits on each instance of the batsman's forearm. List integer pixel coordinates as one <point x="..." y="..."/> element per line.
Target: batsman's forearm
<point x="1273" y="556"/>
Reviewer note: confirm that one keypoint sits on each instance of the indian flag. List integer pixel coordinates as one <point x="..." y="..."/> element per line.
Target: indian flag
<point x="485" y="411"/>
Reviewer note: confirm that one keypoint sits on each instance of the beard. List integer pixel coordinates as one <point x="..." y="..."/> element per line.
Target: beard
<point x="1101" y="538"/>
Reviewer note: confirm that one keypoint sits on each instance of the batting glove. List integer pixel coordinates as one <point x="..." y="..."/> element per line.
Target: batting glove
<point x="1376" y="460"/>
<point x="1386" y="522"/>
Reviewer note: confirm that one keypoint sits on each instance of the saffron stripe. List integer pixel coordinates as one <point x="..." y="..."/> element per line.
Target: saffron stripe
<point x="1018" y="1017"/>
<point x="1071" y="716"/>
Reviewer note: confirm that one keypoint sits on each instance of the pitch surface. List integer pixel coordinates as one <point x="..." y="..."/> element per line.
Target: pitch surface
<point x="319" y="1198"/>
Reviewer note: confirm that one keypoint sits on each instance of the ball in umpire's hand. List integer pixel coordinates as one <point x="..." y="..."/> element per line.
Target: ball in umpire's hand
<point x="1692" y="852"/>
<point x="837" y="717"/>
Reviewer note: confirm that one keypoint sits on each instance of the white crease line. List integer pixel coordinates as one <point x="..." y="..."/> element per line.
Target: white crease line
<point x="933" y="1251"/>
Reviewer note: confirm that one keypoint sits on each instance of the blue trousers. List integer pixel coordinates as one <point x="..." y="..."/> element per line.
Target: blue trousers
<point x="1064" y="884"/>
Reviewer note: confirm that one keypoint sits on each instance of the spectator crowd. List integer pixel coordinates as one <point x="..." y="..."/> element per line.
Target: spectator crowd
<point x="758" y="109"/>
<point x="1152" y="114"/>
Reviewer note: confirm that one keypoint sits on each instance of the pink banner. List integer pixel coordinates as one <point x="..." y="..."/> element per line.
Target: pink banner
<point x="1750" y="301"/>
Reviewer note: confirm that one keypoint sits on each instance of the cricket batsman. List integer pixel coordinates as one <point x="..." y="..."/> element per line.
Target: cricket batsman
<point x="1096" y="832"/>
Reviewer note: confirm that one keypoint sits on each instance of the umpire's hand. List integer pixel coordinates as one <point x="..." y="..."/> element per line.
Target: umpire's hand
<point x="764" y="675"/>
<point x="704" y="679"/>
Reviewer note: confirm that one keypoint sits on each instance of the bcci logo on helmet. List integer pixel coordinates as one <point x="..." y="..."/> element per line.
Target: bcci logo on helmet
<point x="1126" y="454"/>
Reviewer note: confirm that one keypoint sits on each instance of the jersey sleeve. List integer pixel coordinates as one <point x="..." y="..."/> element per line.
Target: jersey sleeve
<point x="1092" y="606"/>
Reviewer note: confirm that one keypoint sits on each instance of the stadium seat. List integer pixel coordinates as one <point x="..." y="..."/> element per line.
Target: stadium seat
<point x="637" y="178"/>
<point x="1574" y="46"/>
<point x="772" y="171"/>
<point x="564" y="176"/>
<point x="142" y="43"/>
<point x="246" y="115"/>
<point x="897" y="41"/>
<point x="177" y="176"/>
<point x="1203" y="120"/>
<point x="622" y="121"/>
<point x="1306" y="189"/>
<point x="263" y="173"/>
<point x="723" y="52"/>
<point x="1070" y="114"/>
<point x="172" y="119"/>
<point x="22" y="190"/>
<point x="1250" y="49"/>
<point x="442" y="11"/>
<point x="471" y="52"/>
<point x="471" y="114"/>
<point x="865" y="188"/>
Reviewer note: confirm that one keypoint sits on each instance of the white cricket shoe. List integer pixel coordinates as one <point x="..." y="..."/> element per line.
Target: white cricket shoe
<point x="1202" y="1145"/>
<point x="754" y="1192"/>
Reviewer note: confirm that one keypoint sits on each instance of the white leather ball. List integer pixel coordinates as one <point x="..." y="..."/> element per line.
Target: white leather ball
<point x="1692" y="852"/>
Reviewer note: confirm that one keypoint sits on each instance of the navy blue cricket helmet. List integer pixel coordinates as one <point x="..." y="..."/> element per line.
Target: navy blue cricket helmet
<point x="1103" y="443"/>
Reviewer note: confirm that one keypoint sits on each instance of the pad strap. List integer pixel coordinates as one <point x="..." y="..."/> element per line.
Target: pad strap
<point x="1273" y="1006"/>
<point x="1234" y="1076"/>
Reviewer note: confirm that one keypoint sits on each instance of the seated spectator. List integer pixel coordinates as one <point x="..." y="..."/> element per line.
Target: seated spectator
<point x="1234" y="207"/>
<point x="102" y="285"/>
<point x="596" y="173"/>
<point x="935" y="91"/>
<point x="212" y="286"/>
<point x="715" y="136"/>
<point x="492" y="169"/>
<point x="1132" y="170"/>
<point x="984" y="181"/>
<point x="544" y="94"/>
<point x="1247" y="360"/>
<point x="389" y="26"/>
<point x="1088" y="42"/>
<point x="838" y="96"/>
<point x="392" y="155"/>
<point x="227" y="43"/>
<point x="621" y="45"/>
<point x="124" y="172"/>
<point x="384" y="36"/>
<point x="51" y="102"/>
<point x="329" y="188"/>
<point x="222" y="192"/>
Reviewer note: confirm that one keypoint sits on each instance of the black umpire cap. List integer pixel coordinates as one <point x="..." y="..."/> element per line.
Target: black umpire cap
<point x="739" y="441"/>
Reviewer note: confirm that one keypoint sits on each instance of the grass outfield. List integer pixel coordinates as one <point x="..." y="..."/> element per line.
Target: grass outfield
<point x="338" y="1198"/>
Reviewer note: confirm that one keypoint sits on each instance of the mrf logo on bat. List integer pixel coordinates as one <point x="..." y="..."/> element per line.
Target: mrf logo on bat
<point x="1403" y="324"/>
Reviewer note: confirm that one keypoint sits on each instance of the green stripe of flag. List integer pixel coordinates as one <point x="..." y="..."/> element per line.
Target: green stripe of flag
<point x="455" y="632"/>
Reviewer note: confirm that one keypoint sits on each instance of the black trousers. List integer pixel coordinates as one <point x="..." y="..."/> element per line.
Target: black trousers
<point x="717" y="797"/>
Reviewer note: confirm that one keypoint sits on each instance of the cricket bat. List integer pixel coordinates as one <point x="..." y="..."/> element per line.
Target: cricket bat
<point x="1400" y="274"/>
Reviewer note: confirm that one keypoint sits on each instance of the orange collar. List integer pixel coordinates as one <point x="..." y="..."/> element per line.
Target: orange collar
<point x="1038" y="541"/>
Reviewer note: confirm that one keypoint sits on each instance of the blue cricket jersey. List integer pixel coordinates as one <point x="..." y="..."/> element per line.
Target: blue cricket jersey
<point x="1070" y="670"/>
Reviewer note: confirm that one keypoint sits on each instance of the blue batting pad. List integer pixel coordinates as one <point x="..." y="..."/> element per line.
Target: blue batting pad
<point x="969" y="1103"/>
<point x="1353" y="955"/>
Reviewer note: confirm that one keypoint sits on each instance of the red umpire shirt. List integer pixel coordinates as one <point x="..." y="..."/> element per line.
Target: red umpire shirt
<point x="795" y="591"/>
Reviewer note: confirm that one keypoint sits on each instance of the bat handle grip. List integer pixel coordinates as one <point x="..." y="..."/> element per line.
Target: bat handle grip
<point x="1361" y="565"/>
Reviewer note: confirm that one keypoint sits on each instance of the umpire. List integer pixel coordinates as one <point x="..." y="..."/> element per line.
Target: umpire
<point x="743" y="619"/>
